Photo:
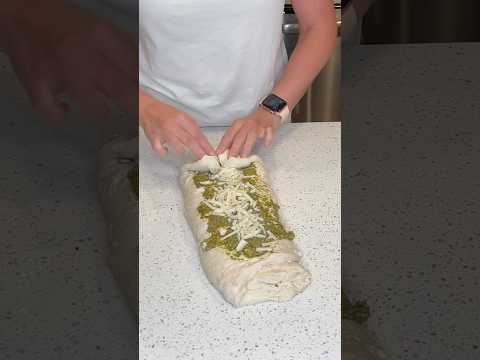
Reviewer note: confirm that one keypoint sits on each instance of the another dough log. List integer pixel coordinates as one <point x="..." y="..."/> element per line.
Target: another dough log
<point x="117" y="165"/>
<point x="274" y="276"/>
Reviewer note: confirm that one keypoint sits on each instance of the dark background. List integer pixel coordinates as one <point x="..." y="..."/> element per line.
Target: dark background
<point x="58" y="298"/>
<point x="424" y="21"/>
<point x="411" y="191"/>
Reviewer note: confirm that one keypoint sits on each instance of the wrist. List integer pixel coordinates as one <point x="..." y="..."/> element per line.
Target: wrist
<point x="277" y="106"/>
<point x="265" y="113"/>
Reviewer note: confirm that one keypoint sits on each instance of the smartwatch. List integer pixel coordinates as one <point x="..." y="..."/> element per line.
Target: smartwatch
<point x="277" y="106"/>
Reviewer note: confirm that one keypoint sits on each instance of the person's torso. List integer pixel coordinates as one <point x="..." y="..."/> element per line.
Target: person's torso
<point x="214" y="59"/>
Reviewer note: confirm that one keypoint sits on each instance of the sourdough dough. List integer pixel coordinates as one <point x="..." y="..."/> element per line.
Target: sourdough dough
<point x="276" y="275"/>
<point x="118" y="192"/>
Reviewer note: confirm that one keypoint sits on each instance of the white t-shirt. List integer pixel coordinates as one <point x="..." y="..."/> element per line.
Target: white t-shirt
<point x="213" y="59"/>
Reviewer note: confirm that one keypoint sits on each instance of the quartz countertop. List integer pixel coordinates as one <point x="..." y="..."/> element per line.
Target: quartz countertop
<point x="183" y="317"/>
<point x="410" y="222"/>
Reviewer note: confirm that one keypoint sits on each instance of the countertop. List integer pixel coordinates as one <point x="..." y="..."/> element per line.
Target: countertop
<point x="183" y="317"/>
<point x="410" y="223"/>
<point x="58" y="299"/>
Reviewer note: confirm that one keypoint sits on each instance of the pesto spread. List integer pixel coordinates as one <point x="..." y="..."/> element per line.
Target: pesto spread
<point x="358" y="311"/>
<point x="242" y="217"/>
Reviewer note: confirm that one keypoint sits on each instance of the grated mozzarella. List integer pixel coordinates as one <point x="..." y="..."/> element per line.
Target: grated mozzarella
<point x="241" y="245"/>
<point x="233" y="201"/>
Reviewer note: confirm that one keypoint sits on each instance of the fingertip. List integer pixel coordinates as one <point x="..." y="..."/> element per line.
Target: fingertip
<point x="159" y="146"/>
<point x="245" y="151"/>
<point x="160" y="150"/>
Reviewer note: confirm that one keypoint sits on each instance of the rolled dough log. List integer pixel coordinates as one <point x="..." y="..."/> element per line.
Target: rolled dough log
<point x="117" y="167"/>
<point x="276" y="275"/>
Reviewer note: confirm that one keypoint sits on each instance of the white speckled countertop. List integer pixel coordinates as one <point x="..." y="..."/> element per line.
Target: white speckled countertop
<point x="183" y="317"/>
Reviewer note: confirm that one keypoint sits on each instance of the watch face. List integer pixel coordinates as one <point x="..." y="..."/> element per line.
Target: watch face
<point x="274" y="103"/>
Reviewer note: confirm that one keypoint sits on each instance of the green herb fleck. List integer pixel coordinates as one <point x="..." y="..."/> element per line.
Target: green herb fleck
<point x="358" y="311"/>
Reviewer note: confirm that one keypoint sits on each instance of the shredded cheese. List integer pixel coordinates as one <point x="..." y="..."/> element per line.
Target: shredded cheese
<point x="232" y="200"/>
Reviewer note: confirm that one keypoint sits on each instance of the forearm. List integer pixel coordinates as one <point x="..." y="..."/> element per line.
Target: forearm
<point x="145" y="101"/>
<point x="312" y="53"/>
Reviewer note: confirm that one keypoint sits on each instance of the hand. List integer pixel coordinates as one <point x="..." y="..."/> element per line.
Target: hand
<point x="165" y="125"/>
<point x="242" y="136"/>
<point x="61" y="50"/>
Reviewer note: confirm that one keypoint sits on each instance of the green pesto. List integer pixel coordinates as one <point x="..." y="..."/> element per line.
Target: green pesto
<point x="358" y="311"/>
<point x="209" y="189"/>
<point x="250" y="170"/>
<point x="133" y="178"/>
<point x="204" y="210"/>
<point x="216" y="222"/>
<point x="266" y="207"/>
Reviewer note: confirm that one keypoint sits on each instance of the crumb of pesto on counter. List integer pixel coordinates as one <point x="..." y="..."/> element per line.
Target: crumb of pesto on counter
<point x="225" y="224"/>
<point x="358" y="311"/>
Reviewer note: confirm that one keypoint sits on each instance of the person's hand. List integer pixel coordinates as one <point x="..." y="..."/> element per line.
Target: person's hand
<point x="166" y="127"/>
<point x="244" y="133"/>
<point x="61" y="51"/>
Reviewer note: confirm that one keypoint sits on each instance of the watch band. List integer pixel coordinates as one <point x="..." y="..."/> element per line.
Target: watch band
<point x="284" y="113"/>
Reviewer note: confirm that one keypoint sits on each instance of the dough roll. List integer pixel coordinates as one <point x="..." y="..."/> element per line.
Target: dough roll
<point x="245" y="250"/>
<point x="118" y="194"/>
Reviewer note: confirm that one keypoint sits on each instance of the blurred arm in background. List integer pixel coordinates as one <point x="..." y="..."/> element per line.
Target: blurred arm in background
<point x="60" y="50"/>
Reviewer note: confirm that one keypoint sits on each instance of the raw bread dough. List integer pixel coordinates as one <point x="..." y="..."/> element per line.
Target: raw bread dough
<point x="120" y="205"/>
<point x="274" y="276"/>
